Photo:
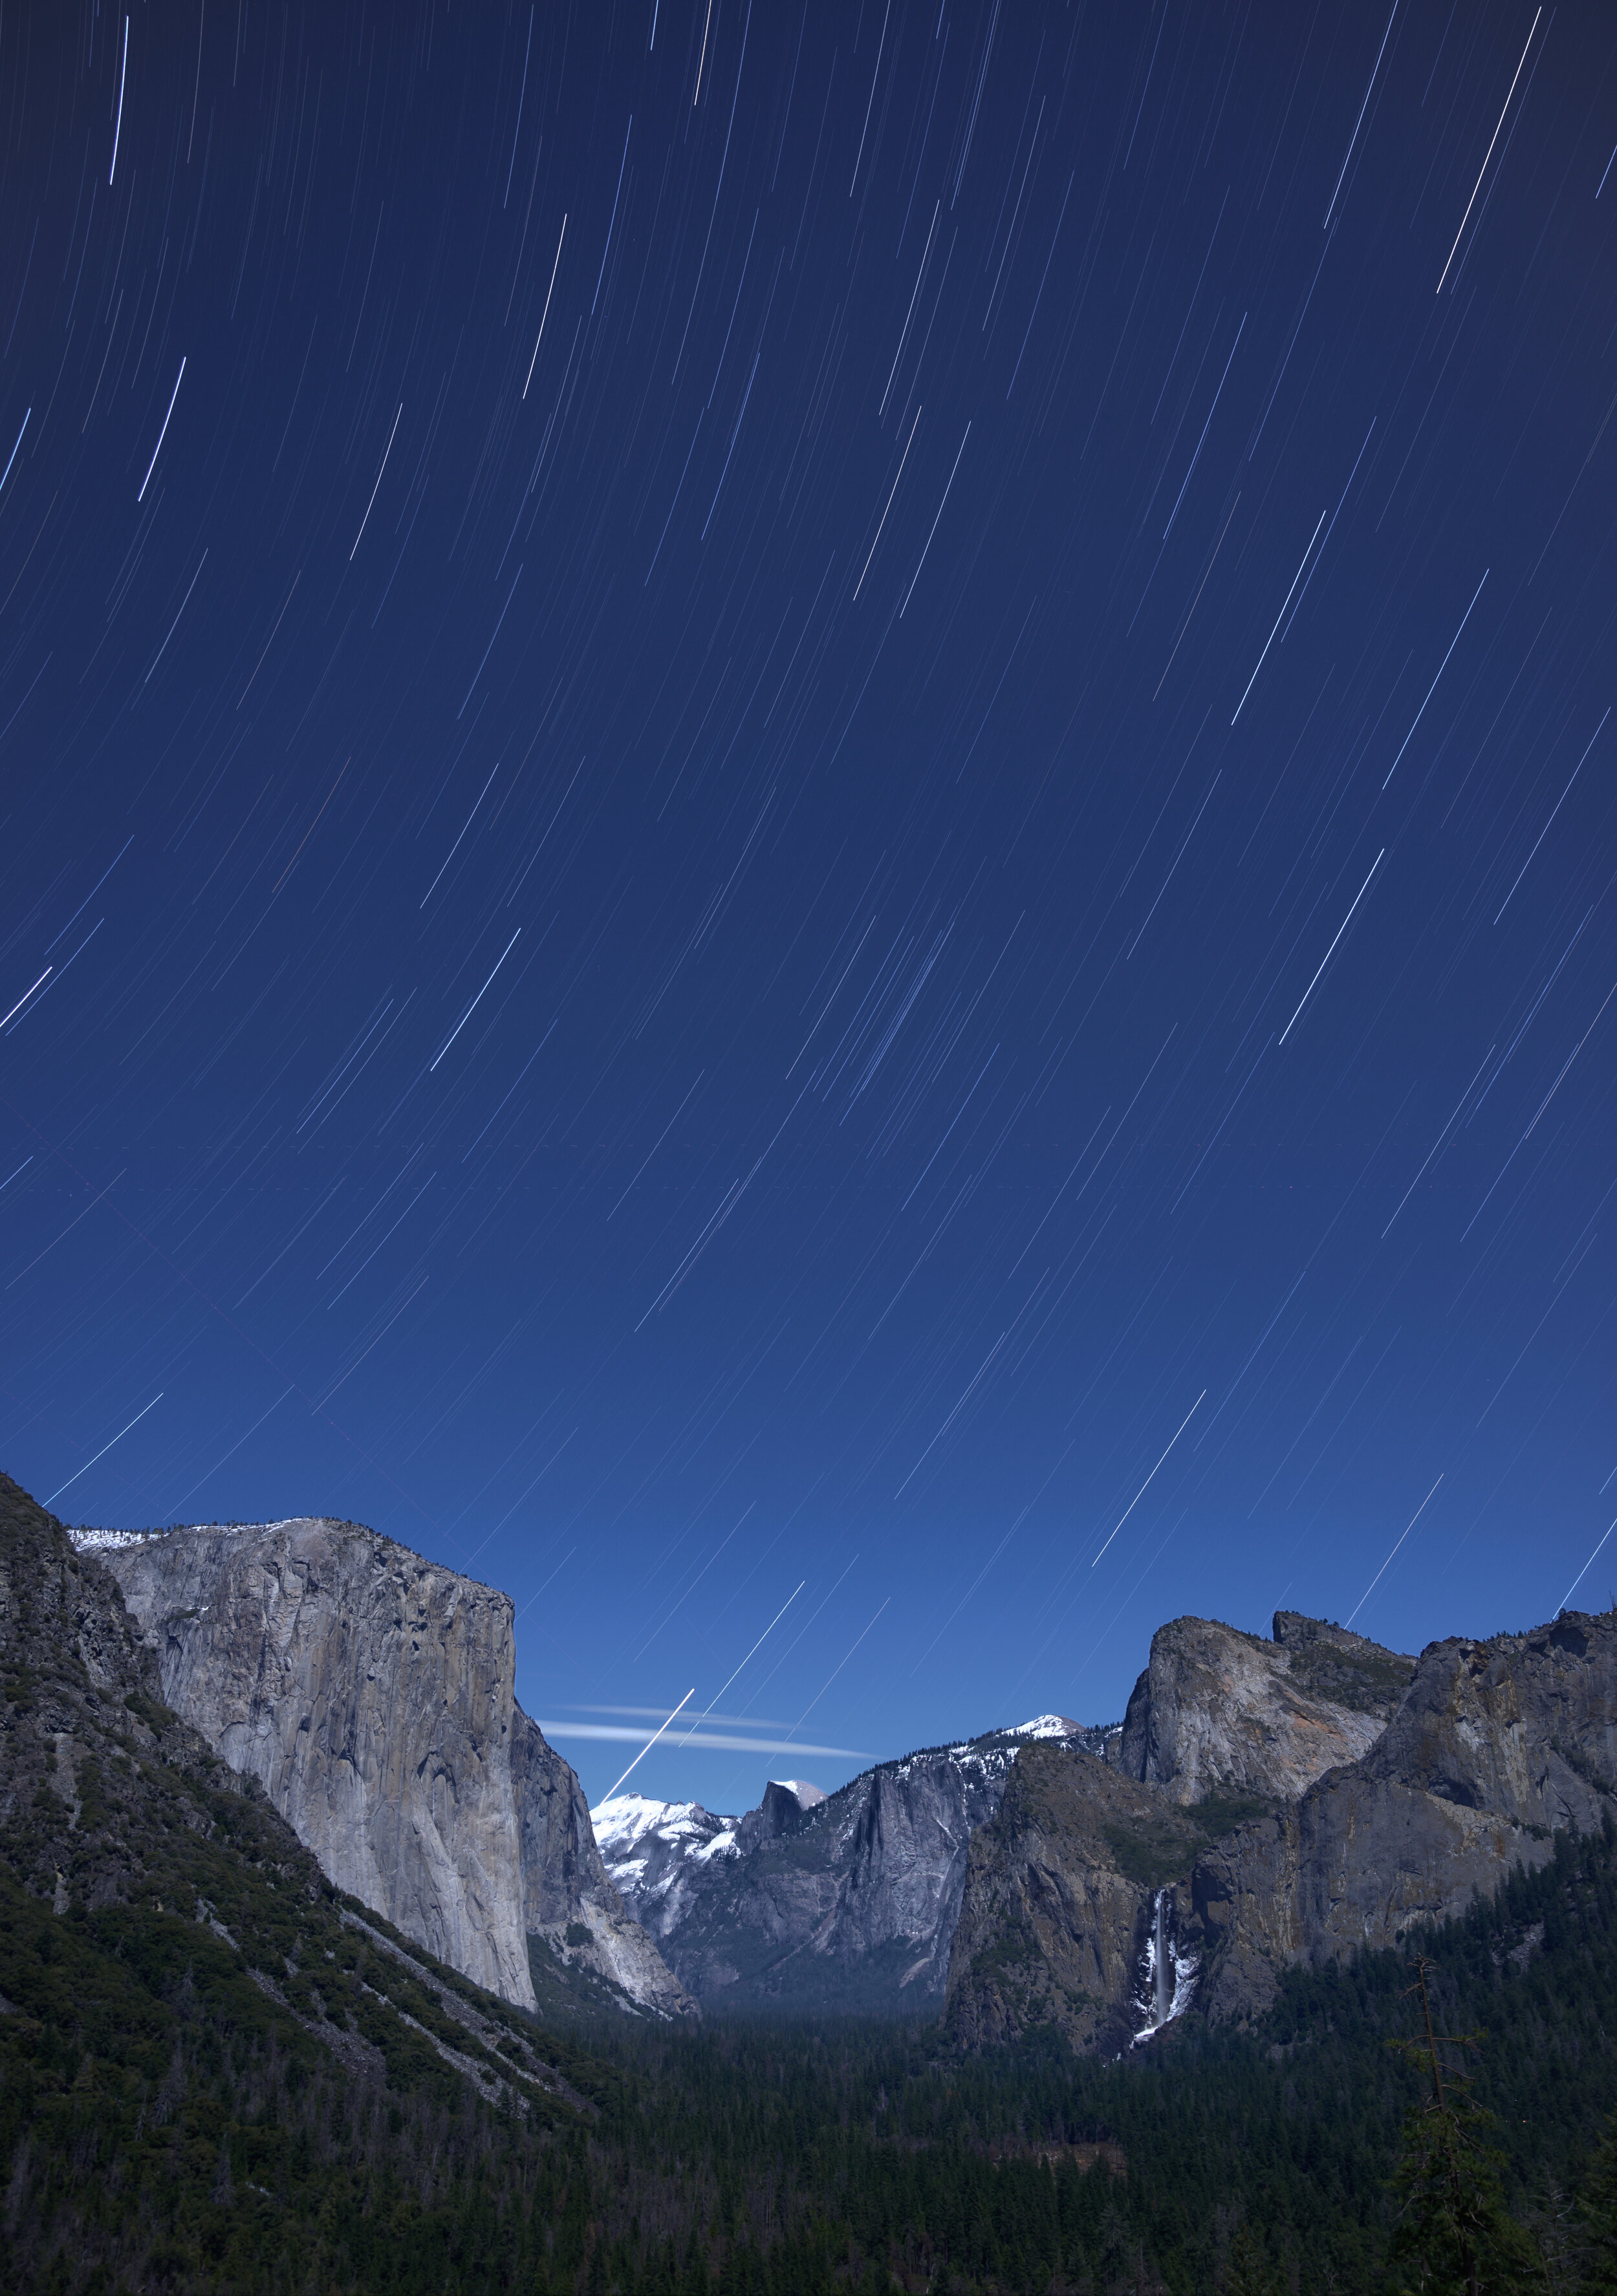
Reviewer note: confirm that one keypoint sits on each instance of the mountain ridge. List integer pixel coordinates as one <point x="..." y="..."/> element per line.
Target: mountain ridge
<point x="1496" y="1750"/>
<point x="218" y="2070"/>
<point x="849" y="1900"/>
<point x="762" y="1915"/>
<point x="1264" y="1802"/>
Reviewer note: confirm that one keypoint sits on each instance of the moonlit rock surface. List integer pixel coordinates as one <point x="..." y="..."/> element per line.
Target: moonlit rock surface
<point x="1086" y="1888"/>
<point x="814" y="1901"/>
<point x="1218" y="1712"/>
<point x="1498" y="1746"/>
<point x="371" y="1692"/>
<point x="1059" y="1921"/>
<point x="1078" y="1906"/>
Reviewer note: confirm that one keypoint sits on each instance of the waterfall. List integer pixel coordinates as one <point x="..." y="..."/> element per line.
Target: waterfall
<point x="1166" y="1982"/>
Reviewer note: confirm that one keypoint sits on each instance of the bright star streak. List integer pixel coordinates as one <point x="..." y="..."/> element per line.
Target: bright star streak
<point x="652" y="1740"/>
<point x="102" y="1454"/>
<point x="1146" y="1485"/>
<point x="1397" y="1543"/>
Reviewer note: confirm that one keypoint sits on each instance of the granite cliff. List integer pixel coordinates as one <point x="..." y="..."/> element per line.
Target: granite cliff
<point x="371" y="1692"/>
<point x="1217" y="1711"/>
<point x="1109" y="1916"/>
<point x="1497" y="1746"/>
<point x="146" y="1852"/>
<point x="1263" y="1803"/>
<point x="1058" y="1922"/>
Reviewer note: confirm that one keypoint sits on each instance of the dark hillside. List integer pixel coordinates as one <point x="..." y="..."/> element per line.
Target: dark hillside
<point x="207" y="2059"/>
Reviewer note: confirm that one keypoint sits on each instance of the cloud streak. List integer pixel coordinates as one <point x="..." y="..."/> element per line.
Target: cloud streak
<point x="714" y="1741"/>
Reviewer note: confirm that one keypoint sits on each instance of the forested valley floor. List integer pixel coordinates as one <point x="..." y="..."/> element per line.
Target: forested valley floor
<point x="167" y="2122"/>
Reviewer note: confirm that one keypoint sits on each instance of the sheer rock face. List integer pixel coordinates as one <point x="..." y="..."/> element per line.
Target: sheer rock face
<point x="1217" y="1711"/>
<point x="1068" y="1892"/>
<point x="813" y="1902"/>
<point x="371" y="1692"/>
<point x="1497" y="1745"/>
<point x="1058" y="1900"/>
<point x="565" y="1885"/>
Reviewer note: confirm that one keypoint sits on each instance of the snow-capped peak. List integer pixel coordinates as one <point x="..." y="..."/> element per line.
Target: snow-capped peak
<point x="623" y="1821"/>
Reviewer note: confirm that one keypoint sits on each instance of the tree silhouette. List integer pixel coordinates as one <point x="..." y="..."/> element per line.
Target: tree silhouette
<point x="1600" y="2213"/>
<point x="1454" y="2236"/>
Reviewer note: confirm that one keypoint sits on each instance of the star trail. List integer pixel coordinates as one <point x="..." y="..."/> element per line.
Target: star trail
<point x="807" y="823"/>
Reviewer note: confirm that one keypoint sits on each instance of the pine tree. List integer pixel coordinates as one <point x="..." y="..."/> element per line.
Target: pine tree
<point x="1247" y="2270"/>
<point x="1600" y="2213"/>
<point x="1454" y="2236"/>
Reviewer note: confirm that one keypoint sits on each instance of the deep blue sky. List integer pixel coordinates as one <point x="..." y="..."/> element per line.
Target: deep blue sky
<point x="831" y="766"/>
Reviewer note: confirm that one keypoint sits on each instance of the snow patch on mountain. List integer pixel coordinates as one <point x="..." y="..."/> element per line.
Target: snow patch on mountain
<point x="91" y="1538"/>
<point x="107" y="1542"/>
<point x="805" y="1796"/>
<point x="622" y="1820"/>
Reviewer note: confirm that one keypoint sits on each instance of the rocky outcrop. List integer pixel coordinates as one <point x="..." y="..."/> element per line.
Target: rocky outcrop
<point x="1219" y="1712"/>
<point x="813" y="1902"/>
<point x="784" y="1802"/>
<point x="108" y="1799"/>
<point x="1108" y="1917"/>
<point x="566" y="1888"/>
<point x="1497" y="1746"/>
<point x="1068" y="1915"/>
<point x="370" y="1693"/>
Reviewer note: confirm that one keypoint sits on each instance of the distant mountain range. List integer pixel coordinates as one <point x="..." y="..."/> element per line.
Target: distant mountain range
<point x="858" y="1900"/>
<point x="1264" y="1803"/>
<point x="814" y="1901"/>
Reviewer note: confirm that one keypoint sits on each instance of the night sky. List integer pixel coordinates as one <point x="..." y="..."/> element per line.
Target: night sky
<point x="806" y="818"/>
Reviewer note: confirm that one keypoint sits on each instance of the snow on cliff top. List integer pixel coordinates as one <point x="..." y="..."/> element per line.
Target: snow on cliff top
<point x="805" y="1796"/>
<point x="91" y="1539"/>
